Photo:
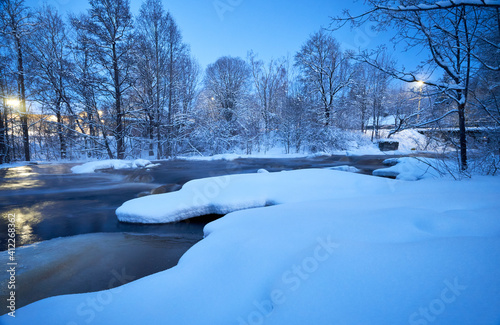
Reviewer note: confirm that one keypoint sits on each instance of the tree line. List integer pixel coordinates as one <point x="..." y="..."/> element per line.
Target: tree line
<point x="107" y="84"/>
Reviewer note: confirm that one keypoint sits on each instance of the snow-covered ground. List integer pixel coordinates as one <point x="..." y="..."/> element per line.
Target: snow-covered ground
<point x="91" y="167"/>
<point x="410" y="141"/>
<point x="340" y="248"/>
<point x="412" y="169"/>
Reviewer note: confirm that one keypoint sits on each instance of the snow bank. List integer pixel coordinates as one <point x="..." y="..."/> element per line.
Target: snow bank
<point x="277" y="153"/>
<point x="224" y="194"/>
<point x="411" y="169"/>
<point x="23" y="163"/>
<point x="345" y="168"/>
<point x="92" y="166"/>
<point x="413" y="253"/>
<point x="410" y="140"/>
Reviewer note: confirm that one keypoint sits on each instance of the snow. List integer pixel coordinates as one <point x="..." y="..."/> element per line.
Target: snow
<point x="277" y="152"/>
<point x="345" y="168"/>
<point x="368" y="251"/>
<point x="410" y="140"/>
<point x="23" y="163"/>
<point x="411" y="169"/>
<point x="224" y="194"/>
<point x="92" y="166"/>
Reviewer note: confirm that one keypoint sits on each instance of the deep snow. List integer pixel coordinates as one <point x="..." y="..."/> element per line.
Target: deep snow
<point x="92" y="166"/>
<point x="341" y="248"/>
<point x="412" y="169"/>
<point x="224" y="194"/>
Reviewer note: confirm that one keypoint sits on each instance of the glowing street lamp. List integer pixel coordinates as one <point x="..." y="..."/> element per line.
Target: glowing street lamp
<point x="13" y="102"/>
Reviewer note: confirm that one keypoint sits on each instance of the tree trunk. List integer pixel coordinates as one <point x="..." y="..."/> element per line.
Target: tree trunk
<point x="151" y="138"/>
<point x="22" y="95"/>
<point x="159" y="152"/>
<point x="170" y="101"/>
<point x="463" y="138"/>
<point x="327" y="115"/>
<point x="60" y="133"/>
<point x="120" y="152"/>
<point x="106" y="144"/>
<point x="3" y="143"/>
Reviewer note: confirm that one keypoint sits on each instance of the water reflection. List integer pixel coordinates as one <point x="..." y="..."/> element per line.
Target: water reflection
<point x="26" y="220"/>
<point x="17" y="178"/>
<point x="88" y="262"/>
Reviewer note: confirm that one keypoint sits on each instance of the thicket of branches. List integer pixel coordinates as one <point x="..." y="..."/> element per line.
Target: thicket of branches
<point x="107" y="84"/>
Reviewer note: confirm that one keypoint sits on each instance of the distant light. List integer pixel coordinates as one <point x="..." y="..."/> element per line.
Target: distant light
<point x="420" y="83"/>
<point x="13" y="102"/>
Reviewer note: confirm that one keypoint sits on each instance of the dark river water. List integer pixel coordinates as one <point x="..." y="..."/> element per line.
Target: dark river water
<point x="80" y="244"/>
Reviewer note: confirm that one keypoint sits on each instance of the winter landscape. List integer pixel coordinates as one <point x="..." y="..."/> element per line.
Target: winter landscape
<point x="168" y="162"/>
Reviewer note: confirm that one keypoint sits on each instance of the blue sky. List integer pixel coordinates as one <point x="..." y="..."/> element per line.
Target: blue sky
<point x="272" y="29"/>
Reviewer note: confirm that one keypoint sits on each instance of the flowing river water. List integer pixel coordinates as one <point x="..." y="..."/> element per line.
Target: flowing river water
<point x="73" y="240"/>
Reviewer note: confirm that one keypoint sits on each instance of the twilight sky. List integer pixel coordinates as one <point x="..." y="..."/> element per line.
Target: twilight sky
<point x="271" y="28"/>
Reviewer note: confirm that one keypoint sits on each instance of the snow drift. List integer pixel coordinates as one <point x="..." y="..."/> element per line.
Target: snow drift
<point x="367" y="251"/>
<point x="224" y="194"/>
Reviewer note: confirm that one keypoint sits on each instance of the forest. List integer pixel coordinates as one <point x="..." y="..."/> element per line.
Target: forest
<point x="106" y="84"/>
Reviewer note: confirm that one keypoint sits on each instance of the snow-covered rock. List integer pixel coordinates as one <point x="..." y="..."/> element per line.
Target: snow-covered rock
<point x="92" y="166"/>
<point x="410" y="168"/>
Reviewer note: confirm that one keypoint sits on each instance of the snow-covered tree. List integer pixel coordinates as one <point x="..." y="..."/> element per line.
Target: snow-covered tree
<point x="166" y="75"/>
<point x="7" y="85"/>
<point x="51" y="69"/>
<point x="325" y="69"/>
<point x="271" y="85"/>
<point x="455" y="34"/>
<point x="15" y="26"/>
<point x="227" y="81"/>
<point x="109" y="32"/>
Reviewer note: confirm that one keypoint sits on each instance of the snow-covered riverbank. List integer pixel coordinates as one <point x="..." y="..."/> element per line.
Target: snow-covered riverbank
<point x="349" y="249"/>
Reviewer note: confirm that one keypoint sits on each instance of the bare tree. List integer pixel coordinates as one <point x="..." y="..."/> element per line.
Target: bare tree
<point x="325" y="69"/>
<point x="358" y="95"/>
<point x="164" y="70"/>
<point x="188" y="83"/>
<point x="271" y="83"/>
<point x="227" y="81"/>
<point x="85" y="85"/>
<point x="109" y="31"/>
<point x="451" y="31"/>
<point x="6" y="87"/>
<point x="15" y="26"/>
<point x="49" y="52"/>
<point x="378" y="84"/>
<point x="152" y="67"/>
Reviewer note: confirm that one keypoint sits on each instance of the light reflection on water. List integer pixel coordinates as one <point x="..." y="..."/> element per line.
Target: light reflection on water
<point x="26" y="220"/>
<point x="22" y="177"/>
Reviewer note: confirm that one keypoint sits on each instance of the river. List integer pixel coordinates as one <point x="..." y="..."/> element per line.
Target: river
<point x="80" y="246"/>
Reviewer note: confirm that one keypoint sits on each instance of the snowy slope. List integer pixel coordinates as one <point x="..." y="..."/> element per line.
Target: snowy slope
<point x="374" y="251"/>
